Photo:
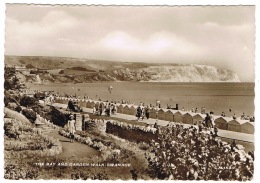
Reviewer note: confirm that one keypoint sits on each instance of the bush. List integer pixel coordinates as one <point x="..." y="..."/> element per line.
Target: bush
<point x="29" y="66"/>
<point x="29" y="114"/>
<point x="57" y="117"/>
<point x="133" y="134"/>
<point x="28" y="101"/>
<point x="11" y="81"/>
<point x="15" y="172"/>
<point x="8" y="128"/>
<point x="8" y="98"/>
<point x="14" y="106"/>
<point x="61" y="72"/>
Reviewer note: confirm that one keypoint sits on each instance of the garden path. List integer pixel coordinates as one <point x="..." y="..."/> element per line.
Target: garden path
<point x="75" y="149"/>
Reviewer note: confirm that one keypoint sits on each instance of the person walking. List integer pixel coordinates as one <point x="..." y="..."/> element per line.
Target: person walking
<point x="94" y="109"/>
<point x="138" y="113"/>
<point x="156" y="112"/>
<point x="207" y="120"/>
<point x="155" y="124"/>
<point x="100" y="109"/>
<point x="211" y="122"/>
<point x="72" y="127"/>
<point x="147" y="111"/>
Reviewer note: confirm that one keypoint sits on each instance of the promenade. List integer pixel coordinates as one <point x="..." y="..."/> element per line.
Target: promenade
<point x="229" y="135"/>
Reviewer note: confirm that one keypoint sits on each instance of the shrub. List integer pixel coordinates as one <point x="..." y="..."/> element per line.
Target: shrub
<point x="144" y="146"/>
<point x="57" y="117"/>
<point x="29" y="114"/>
<point x="61" y="72"/>
<point x="29" y="66"/>
<point x="15" y="172"/>
<point x="14" y="106"/>
<point x="7" y="128"/>
<point x="132" y="133"/>
<point x="9" y="98"/>
<point x="11" y="81"/>
<point x="28" y="101"/>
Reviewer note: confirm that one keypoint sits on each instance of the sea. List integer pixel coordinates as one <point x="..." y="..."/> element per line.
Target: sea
<point x="224" y="97"/>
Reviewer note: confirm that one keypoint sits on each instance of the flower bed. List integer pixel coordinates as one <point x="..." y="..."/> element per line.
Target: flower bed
<point x="130" y="132"/>
<point x="86" y="140"/>
<point x="16" y="172"/>
<point x="31" y="143"/>
<point x="187" y="154"/>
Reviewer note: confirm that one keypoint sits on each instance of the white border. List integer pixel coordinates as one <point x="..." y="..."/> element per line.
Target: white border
<point x="134" y="2"/>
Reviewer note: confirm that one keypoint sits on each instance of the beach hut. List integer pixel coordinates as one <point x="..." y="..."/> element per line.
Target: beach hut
<point x="235" y="125"/>
<point x="126" y="109"/>
<point x="188" y="118"/>
<point x="65" y="101"/>
<point x="178" y="116"/>
<point x="85" y="103"/>
<point x="152" y="113"/>
<point x="161" y="114"/>
<point x="132" y="110"/>
<point x="169" y="115"/>
<point x="58" y="100"/>
<point x="81" y="103"/>
<point x="120" y="108"/>
<point x="88" y="105"/>
<point x="248" y="127"/>
<point x="198" y="117"/>
<point x="221" y="122"/>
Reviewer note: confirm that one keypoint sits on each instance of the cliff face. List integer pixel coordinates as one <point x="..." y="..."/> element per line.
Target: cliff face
<point x="180" y="73"/>
<point x="66" y="70"/>
<point x="192" y="73"/>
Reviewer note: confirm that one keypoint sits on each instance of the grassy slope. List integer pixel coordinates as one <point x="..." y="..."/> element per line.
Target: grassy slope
<point x="65" y="62"/>
<point x="44" y="62"/>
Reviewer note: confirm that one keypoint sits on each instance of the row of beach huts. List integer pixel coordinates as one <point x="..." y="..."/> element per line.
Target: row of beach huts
<point x="224" y="123"/>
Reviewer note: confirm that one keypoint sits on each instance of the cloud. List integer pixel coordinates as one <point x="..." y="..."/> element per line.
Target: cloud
<point x="219" y="36"/>
<point x="160" y="46"/>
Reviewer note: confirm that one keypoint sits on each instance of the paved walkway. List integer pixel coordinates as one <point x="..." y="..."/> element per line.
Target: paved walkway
<point x="249" y="138"/>
<point x="75" y="149"/>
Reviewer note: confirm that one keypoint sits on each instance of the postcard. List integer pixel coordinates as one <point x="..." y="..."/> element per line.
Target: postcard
<point x="133" y="92"/>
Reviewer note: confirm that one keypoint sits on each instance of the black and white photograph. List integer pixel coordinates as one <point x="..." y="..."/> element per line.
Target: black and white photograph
<point x="129" y="92"/>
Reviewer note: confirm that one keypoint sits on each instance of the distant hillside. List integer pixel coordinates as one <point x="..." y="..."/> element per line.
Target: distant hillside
<point x="83" y="70"/>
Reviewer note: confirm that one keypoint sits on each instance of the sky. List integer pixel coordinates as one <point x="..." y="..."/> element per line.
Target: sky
<point x="221" y="36"/>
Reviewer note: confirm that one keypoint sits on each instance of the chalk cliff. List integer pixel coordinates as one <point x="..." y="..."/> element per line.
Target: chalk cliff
<point x="65" y="70"/>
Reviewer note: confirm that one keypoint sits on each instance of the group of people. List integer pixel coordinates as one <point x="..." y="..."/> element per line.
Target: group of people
<point x="191" y="154"/>
<point x="247" y="117"/>
<point x="209" y="120"/>
<point x="243" y="116"/>
<point x="195" y="110"/>
<point x="143" y="111"/>
<point x="108" y="108"/>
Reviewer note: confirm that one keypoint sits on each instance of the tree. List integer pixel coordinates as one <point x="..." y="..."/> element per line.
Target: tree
<point x="29" y="114"/>
<point x="11" y="80"/>
<point x="29" y="66"/>
<point x="57" y="117"/>
<point x="28" y="101"/>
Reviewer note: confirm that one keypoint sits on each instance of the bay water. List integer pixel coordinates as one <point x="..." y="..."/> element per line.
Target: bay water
<point x="216" y="97"/>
